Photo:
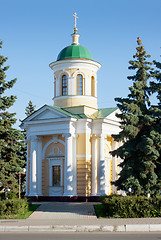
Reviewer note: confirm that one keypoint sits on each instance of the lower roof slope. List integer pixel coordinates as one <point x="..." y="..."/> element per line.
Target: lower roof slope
<point x="100" y="114"/>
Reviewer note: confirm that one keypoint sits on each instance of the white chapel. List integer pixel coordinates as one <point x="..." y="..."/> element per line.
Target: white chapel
<point x="69" y="143"/>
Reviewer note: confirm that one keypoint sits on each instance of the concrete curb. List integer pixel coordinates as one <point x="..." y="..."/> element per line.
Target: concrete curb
<point x="84" y="228"/>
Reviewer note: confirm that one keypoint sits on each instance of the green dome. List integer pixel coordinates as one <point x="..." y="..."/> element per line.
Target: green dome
<point x="74" y="51"/>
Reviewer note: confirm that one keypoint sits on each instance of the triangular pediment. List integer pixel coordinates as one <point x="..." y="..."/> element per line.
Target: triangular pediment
<point x="46" y="112"/>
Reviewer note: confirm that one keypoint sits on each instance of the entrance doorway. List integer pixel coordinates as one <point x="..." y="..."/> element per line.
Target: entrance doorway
<point x="56" y="177"/>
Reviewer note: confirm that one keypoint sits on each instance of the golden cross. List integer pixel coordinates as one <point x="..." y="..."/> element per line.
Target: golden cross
<point x="75" y="15"/>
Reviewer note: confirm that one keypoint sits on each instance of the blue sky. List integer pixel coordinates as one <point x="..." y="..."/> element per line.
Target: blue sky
<point x="35" y="31"/>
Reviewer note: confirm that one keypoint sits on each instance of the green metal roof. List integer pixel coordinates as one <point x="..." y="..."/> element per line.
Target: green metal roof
<point x="102" y="113"/>
<point x="74" y="51"/>
<point x="78" y="116"/>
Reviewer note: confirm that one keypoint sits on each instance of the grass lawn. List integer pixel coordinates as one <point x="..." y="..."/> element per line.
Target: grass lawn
<point x="32" y="208"/>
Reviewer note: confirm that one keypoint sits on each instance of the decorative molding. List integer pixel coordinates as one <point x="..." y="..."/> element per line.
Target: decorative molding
<point x="79" y="72"/>
<point x="55" y="191"/>
<point x="33" y="138"/>
<point x="66" y="135"/>
<point x="75" y="135"/>
<point x="104" y="136"/>
<point x="29" y="120"/>
<point x="55" y="77"/>
<point x="55" y="139"/>
<point x="108" y="144"/>
<point x="61" y="73"/>
<point x="92" y="74"/>
<point x="94" y="136"/>
<point x="53" y="153"/>
<point x="75" y="63"/>
<point x="48" y="143"/>
<point x="39" y="138"/>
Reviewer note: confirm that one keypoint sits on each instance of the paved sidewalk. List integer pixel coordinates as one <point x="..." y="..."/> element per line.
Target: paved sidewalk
<point x="66" y="216"/>
<point x="64" y="210"/>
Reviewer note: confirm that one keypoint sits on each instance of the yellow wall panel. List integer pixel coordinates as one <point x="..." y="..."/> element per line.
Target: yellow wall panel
<point x="84" y="144"/>
<point x="45" y="163"/>
<point x="45" y="177"/>
<point x="76" y="101"/>
<point x="45" y="140"/>
<point x="83" y="176"/>
<point x="88" y="143"/>
<point x="61" y="137"/>
<point x="81" y="144"/>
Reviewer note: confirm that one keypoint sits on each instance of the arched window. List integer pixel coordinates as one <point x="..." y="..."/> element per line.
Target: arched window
<point x="64" y="85"/>
<point x="92" y="86"/>
<point x="79" y="84"/>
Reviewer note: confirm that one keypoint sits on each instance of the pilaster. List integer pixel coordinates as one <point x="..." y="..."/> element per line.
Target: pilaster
<point x="33" y="163"/>
<point x="101" y="167"/>
<point x="94" y="166"/>
<point x="27" y="168"/>
<point x="39" y="165"/>
<point x="71" y="86"/>
<point x="75" y="136"/>
<point x="68" y="171"/>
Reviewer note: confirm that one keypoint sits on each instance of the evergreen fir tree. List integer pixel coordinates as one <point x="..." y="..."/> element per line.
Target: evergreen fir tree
<point x="11" y="139"/>
<point x="138" y="151"/>
<point x="155" y="87"/>
<point x="29" y="109"/>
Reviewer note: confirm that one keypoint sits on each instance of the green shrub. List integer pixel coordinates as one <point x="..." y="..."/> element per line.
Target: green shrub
<point x="131" y="206"/>
<point x="2" y="195"/>
<point x="13" y="207"/>
<point x="12" y="195"/>
<point x="2" y="208"/>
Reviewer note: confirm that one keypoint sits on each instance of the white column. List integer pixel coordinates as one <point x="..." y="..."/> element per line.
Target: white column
<point x="94" y="166"/>
<point x="87" y="85"/>
<point x="39" y="166"/>
<point x="70" y="86"/>
<point x="33" y="176"/>
<point x="58" y="84"/>
<point x="68" y="171"/>
<point x="101" y="168"/>
<point x="75" y="136"/>
<point x="27" y="169"/>
<point x="96" y="86"/>
<point x="114" y="167"/>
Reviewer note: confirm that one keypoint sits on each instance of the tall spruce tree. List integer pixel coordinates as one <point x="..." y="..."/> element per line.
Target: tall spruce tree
<point x="155" y="87"/>
<point x="30" y="108"/>
<point x="11" y="139"/>
<point x="138" y="151"/>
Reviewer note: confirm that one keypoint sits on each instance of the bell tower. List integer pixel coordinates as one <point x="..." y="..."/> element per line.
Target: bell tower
<point x="75" y="78"/>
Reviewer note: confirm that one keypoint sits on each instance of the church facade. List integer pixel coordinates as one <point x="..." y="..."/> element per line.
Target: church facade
<point x="69" y="143"/>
